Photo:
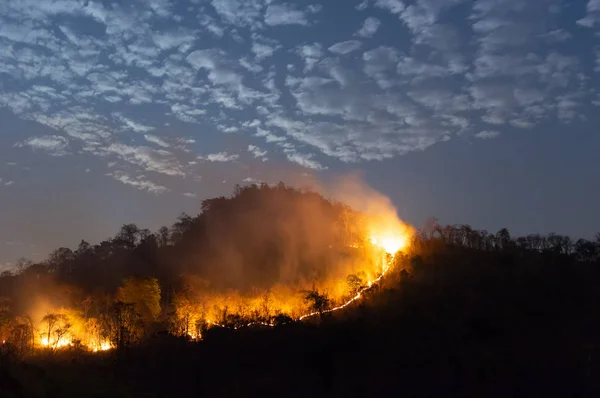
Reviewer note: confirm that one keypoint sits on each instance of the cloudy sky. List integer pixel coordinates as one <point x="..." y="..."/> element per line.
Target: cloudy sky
<point x="474" y="111"/>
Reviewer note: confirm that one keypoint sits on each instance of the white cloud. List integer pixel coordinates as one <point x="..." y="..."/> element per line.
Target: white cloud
<point x="156" y="140"/>
<point x="393" y="6"/>
<point x="217" y="65"/>
<point x="53" y="144"/>
<point x="157" y="160"/>
<point x="593" y="14"/>
<point x="345" y="47"/>
<point x="487" y="134"/>
<point x="257" y="152"/>
<point x="262" y="51"/>
<point x="311" y="53"/>
<point x="189" y="195"/>
<point x="219" y="157"/>
<point x="139" y="182"/>
<point x="242" y="13"/>
<point x="305" y="160"/>
<point x="507" y="63"/>
<point x="133" y="125"/>
<point x="369" y="28"/>
<point x="172" y="39"/>
<point x="285" y="14"/>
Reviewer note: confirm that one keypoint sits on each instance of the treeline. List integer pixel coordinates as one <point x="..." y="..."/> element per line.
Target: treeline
<point x="252" y="239"/>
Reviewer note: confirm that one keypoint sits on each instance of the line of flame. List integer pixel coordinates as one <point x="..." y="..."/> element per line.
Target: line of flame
<point x="311" y="314"/>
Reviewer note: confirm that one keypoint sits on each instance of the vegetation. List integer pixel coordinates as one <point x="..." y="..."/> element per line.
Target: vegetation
<point x="462" y="313"/>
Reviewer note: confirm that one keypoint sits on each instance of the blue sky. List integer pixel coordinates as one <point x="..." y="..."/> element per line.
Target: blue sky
<point x="481" y="112"/>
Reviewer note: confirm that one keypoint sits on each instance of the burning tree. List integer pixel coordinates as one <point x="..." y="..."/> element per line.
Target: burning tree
<point x="355" y="284"/>
<point x="144" y="294"/>
<point x="56" y="330"/>
<point x="317" y="302"/>
<point x="121" y="324"/>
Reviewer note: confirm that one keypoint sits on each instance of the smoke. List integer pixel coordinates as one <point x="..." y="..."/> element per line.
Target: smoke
<point x="259" y="248"/>
<point x="296" y="239"/>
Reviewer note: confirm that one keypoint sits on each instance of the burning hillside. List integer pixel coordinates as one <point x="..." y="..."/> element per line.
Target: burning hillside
<point x="266" y="255"/>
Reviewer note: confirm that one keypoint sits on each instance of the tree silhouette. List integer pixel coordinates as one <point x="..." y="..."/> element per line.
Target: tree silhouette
<point x="317" y="302"/>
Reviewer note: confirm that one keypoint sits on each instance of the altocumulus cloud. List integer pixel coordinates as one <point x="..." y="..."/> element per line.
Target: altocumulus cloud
<point x="109" y="78"/>
<point x="219" y="157"/>
<point x="52" y="144"/>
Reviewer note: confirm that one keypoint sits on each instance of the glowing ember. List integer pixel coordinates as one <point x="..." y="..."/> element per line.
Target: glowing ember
<point x="103" y="346"/>
<point x="64" y="341"/>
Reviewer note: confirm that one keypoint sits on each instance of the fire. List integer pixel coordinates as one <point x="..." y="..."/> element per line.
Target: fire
<point x="391" y="244"/>
<point x="63" y="341"/>
<point x="102" y="346"/>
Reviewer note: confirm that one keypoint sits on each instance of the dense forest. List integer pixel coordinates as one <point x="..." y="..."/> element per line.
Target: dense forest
<point x="459" y="311"/>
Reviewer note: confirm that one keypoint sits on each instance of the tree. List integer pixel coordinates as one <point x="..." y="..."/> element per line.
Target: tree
<point x="266" y="304"/>
<point x="23" y="263"/>
<point x="57" y="327"/>
<point x="503" y="239"/>
<point x="6" y="317"/>
<point x="317" y="302"/>
<point x="128" y="235"/>
<point x="60" y="260"/>
<point x="144" y="293"/>
<point x="121" y="324"/>
<point x="354" y="283"/>
<point x="163" y="237"/>
<point x="22" y="335"/>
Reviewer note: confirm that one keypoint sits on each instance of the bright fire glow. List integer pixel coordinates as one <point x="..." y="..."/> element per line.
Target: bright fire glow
<point x="103" y="346"/>
<point x="64" y="341"/>
<point x="390" y="244"/>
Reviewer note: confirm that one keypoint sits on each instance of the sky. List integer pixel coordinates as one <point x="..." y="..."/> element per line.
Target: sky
<point x="481" y="112"/>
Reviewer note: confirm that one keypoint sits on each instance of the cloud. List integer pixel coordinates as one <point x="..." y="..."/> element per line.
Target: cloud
<point x="369" y="28"/>
<point x="190" y="195"/>
<point x="219" y="157"/>
<point x="52" y="144"/>
<point x="173" y="39"/>
<point x="216" y="63"/>
<point x="262" y="51"/>
<point x="238" y="67"/>
<point x="257" y="152"/>
<point x="156" y="140"/>
<point x="592" y="16"/>
<point x="345" y="47"/>
<point x="305" y="160"/>
<point x="487" y="134"/>
<point x="139" y="182"/>
<point x="393" y="6"/>
<point x="133" y="125"/>
<point x="157" y="160"/>
<point x="311" y="53"/>
<point x="241" y="13"/>
<point x="285" y="14"/>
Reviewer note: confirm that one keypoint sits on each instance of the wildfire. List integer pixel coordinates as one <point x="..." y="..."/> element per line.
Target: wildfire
<point x="69" y="341"/>
<point x="102" y="346"/>
<point x="63" y="341"/>
<point x="390" y="245"/>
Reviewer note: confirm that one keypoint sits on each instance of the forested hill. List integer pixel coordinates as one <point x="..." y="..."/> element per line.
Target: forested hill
<point x="463" y="313"/>
<point x="258" y="236"/>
